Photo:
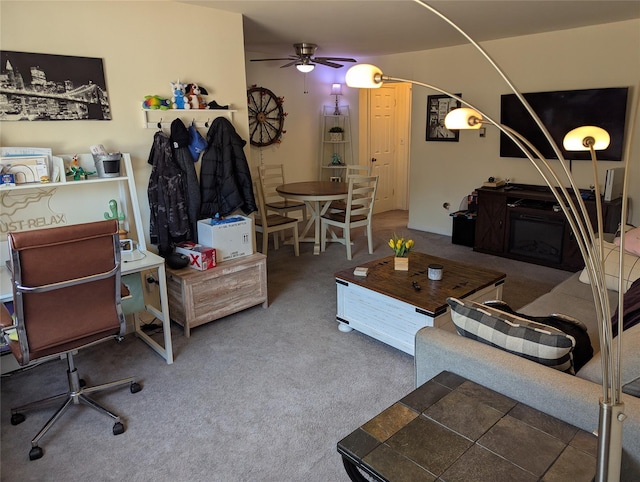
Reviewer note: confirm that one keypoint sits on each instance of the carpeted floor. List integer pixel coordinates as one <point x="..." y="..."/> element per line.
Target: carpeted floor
<point x="262" y="395"/>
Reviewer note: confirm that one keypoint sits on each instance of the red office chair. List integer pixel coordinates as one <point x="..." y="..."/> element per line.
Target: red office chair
<point x="67" y="296"/>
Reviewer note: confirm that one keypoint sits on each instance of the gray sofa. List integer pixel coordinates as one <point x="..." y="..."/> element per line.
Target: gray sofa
<point x="573" y="399"/>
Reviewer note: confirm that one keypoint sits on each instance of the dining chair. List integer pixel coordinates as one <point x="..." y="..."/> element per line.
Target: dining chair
<point x="66" y="297"/>
<point x="271" y="176"/>
<point x="359" y="211"/>
<point x="358" y="170"/>
<point x="266" y="223"/>
<point x="350" y="170"/>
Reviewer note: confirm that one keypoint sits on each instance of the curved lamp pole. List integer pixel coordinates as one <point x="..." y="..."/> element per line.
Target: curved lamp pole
<point x="591" y="138"/>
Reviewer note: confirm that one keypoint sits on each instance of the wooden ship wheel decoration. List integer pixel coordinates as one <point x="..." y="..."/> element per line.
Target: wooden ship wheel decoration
<point x="266" y="117"/>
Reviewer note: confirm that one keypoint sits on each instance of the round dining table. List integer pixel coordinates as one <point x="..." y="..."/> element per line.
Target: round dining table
<point x="317" y="195"/>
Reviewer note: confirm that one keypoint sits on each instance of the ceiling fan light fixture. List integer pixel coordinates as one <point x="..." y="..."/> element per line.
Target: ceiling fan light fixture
<point x="305" y="67"/>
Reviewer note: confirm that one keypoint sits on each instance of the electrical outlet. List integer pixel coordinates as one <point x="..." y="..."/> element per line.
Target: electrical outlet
<point x="150" y="281"/>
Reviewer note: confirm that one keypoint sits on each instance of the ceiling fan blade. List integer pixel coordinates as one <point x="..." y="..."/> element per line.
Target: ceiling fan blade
<point x="327" y="63"/>
<point x="339" y="59"/>
<point x="289" y="64"/>
<point x="266" y="60"/>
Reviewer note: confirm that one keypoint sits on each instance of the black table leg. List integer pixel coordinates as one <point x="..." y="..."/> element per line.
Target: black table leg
<point x="353" y="472"/>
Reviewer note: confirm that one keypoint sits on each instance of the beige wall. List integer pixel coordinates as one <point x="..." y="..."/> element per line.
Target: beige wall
<point x="141" y="58"/>
<point x="304" y="97"/>
<point x="600" y="56"/>
<point x="144" y="46"/>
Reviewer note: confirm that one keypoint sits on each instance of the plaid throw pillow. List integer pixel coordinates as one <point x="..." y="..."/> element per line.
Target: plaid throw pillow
<point x="531" y="340"/>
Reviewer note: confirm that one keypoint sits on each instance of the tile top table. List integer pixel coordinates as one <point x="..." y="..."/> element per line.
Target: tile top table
<point x="452" y="429"/>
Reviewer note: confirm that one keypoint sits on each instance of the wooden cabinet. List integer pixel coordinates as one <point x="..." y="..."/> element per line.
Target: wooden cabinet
<point x="526" y="223"/>
<point x="197" y="297"/>
<point x="490" y="222"/>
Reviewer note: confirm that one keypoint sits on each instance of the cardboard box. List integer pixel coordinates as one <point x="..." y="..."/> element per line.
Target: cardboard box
<point x="200" y="257"/>
<point x="232" y="237"/>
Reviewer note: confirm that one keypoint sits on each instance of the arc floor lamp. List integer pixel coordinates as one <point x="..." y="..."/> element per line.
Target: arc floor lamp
<point x="562" y="185"/>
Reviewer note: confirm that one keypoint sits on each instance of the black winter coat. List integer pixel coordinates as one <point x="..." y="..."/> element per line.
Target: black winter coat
<point x="169" y="215"/>
<point x="225" y="178"/>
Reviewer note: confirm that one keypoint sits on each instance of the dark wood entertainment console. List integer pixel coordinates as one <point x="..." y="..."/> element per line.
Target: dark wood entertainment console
<point x="524" y="222"/>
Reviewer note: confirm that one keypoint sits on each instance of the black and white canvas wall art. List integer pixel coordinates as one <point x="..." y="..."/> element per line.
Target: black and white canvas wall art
<point x="52" y="87"/>
<point x="438" y="106"/>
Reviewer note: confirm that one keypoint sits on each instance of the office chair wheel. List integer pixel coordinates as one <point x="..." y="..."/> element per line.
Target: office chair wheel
<point x="17" y="418"/>
<point x="135" y="387"/>
<point x="118" y="428"/>
<point x="35" y="453"/>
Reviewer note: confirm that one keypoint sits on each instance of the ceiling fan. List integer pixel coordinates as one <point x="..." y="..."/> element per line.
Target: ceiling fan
<point x="305" y="61"/>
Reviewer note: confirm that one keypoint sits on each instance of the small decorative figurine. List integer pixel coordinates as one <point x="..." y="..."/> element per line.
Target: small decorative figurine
<point x="113" y="207"/>
<point x="194" y="94"/>
<point x="155" y="102"/>
<point x="335" y="160"/>
<point x="76" y="170"/>
<point x="179" y="100"/>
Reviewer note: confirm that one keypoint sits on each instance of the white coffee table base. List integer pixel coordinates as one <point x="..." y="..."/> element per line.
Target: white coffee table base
<point x="392" y="321"/>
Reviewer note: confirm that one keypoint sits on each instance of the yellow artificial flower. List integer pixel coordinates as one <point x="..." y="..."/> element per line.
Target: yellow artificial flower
<point x="401" y="247"/>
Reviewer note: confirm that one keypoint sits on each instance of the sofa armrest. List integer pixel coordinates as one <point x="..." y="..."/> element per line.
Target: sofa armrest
<point x="558" y="394"/>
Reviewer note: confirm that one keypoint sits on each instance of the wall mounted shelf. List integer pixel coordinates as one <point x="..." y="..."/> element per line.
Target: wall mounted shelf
<point x="157" y="118"/>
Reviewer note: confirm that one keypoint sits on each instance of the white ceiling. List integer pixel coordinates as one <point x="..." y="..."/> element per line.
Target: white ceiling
<point x="360" y="28"/>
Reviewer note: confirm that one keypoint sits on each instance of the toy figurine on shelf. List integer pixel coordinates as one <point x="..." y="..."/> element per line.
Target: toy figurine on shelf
<point x="77" y="171"/>
<point x="114" y="214"/>
<point x="194" y="94"/>
<point x="155" y="102"/>
<point x="179" y="99"/>
<point x="335" y="160"/>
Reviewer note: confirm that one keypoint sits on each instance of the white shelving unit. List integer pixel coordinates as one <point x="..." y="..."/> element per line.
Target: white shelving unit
<point x="329" y="148"/>
<point x="157" y="118"/>
<point x="41" y="205"/>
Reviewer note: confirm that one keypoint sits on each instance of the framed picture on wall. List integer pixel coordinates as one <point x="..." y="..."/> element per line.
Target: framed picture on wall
<point x="46" y="87"/>
<point x="438" y="106"/>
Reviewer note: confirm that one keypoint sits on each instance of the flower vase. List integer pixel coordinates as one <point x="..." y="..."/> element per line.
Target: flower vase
<point x="401" y="264"/>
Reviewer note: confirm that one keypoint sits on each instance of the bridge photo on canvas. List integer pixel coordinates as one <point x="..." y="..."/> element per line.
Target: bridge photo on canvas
<point x="52" y="87"/>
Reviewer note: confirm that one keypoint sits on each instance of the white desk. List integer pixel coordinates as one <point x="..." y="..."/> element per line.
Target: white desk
<point x="151" y="261"/>
<point x="75" y="202"/>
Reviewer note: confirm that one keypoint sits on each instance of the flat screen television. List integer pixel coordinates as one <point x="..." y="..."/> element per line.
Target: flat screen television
<point x="562" y="111"/>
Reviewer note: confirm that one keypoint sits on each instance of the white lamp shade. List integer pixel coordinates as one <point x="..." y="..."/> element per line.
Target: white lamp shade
<point x="336" y="89"/>
<point x="581" y="138"/>
<point x="363" y="76"/>
<point x="463" y="118"/>
<point x="305" y="68"/>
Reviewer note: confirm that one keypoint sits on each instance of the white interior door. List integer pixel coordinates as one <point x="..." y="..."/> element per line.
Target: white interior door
<point x="384" y="119"/>
<point x="382" y="142"/>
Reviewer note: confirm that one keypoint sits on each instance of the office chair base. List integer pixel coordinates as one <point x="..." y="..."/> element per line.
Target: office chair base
<point x="75" y="395"/>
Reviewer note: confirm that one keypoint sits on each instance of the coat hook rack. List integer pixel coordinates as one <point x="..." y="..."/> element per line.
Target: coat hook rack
<point x="150" y="116"/>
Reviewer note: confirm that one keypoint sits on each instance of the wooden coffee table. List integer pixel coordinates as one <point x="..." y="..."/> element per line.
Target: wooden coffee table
<point x="386" y="306"/>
